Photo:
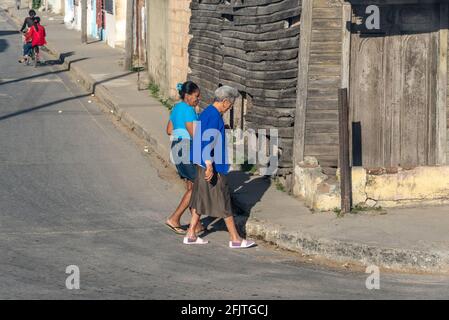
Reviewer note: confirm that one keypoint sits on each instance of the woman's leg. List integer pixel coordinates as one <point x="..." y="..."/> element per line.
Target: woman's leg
<point x="175" y="218"/>
<point x="230" y="224"/>
<point x="26" y="51"/>
<point x="194" y="222"/>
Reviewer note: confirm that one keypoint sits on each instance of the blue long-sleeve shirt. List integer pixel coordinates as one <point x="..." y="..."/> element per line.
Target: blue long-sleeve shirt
<point x="209" y="141"/>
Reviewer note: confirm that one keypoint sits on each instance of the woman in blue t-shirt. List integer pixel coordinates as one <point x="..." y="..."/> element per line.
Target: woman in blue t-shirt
<point x="180" y="127"/>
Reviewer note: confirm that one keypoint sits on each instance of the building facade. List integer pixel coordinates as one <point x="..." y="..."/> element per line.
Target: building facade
<point x="167" y="43"/>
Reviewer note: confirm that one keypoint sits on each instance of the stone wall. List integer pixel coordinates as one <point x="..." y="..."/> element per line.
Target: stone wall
<point x="179" y="18"/>
<point x="120" y="23"/>
<point x="251" y="45"/>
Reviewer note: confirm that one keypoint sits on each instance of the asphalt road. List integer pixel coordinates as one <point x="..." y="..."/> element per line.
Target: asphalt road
<point x="77" y="190"/>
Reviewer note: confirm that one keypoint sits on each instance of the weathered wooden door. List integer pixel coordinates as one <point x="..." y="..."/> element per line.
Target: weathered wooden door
<point x="393" y="86"/>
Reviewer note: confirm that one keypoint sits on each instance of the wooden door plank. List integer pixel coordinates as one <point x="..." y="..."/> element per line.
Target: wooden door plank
<point x="441" y="108"/>
<point x="303" y="65"/>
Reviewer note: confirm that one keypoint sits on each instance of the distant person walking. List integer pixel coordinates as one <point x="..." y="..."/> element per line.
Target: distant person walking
<point x="211" y="195"/>
<point x="180" y="126"/>
<point x="28" y="21"/>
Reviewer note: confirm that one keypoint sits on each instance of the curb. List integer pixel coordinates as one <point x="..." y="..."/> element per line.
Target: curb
<point x="343" y="251"/>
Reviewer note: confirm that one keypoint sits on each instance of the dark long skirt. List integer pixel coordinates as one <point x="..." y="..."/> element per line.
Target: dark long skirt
<point x="211" y="198"/>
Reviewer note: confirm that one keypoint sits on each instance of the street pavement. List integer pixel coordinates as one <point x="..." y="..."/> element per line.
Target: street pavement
<point x="77" y="190"/>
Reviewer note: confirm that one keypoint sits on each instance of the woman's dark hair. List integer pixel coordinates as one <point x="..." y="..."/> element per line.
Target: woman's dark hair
<point x="31" y="13"/>
<point x="36" y="20"/>
<point x="187" y="87"/>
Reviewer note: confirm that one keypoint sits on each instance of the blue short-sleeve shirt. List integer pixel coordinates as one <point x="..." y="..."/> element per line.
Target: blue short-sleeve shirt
<point x="180" y="114"/>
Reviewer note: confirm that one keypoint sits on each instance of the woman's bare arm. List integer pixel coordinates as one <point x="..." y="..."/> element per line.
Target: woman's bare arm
<point x="169" y="127"/>
<point x="190" y="127"/>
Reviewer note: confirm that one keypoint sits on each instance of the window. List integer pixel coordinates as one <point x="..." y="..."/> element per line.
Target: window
<point x="109" y="6"/>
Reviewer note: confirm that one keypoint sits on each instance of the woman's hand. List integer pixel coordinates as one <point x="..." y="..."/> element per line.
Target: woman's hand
<point x="209" y="172"/>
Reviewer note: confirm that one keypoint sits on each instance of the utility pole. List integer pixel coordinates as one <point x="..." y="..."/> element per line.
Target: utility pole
<point x="129" y="45"/>
<point x="83" y="4"/>
<point x="343" y="161"/>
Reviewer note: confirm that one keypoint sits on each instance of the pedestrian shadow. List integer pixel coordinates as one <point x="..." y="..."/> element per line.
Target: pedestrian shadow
<point x="246" y="191"/>
<point x="3" y="45"/>
<point x="45" y="105"/>
<point x="8" y="32"/>
<point x="61" y="59"/>
<point x="42" y="74"/>
<point x="94" y="41"/>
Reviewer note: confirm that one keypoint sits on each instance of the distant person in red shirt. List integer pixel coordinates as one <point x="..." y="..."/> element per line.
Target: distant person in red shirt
<point x="37" y="35"/>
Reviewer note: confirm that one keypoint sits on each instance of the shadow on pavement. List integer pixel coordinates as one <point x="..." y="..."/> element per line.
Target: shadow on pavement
<point x="3" y="45"/>
<point x="246" y="191"/>
<point x="42" y="74"/>
<point x="61" y="59"/>
<point x="8" y="32"/>
<point x="48" y="104"/>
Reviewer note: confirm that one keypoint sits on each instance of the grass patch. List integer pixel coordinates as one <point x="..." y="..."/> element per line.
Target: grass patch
<point x="358" y="209"/>
<point x="154" y="89"/>
<point x="247" y="167"/>
<point x="280" y="186"/>
<point x="338" y="212"/>
<point x="361" y="208"/>
<point x="36" y="4"/>
<point x="136" y="69"/>
<point x="156" y="93"/>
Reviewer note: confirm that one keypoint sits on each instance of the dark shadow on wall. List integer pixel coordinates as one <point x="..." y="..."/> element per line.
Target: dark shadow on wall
<point x="357" y="144"/>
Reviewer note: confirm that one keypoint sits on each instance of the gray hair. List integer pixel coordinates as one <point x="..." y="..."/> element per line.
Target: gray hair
<point x="226" y="93"/>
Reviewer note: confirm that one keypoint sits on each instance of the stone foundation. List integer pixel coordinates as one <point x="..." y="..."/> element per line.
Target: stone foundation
<point x="384" y="187"/>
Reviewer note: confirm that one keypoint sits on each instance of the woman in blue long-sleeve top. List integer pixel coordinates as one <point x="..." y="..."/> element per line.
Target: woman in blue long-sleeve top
<point x="211" y="195"/>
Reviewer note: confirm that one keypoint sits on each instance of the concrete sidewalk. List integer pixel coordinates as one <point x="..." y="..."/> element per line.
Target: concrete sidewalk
<point x="404" y="239"/>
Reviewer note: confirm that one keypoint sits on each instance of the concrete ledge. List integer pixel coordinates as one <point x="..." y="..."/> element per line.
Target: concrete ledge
<point x="343" y="251"/>
<point x="384" y="187"/>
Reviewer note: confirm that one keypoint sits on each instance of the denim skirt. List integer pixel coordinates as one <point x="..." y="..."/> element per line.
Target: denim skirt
<point x="185" y="170"/>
